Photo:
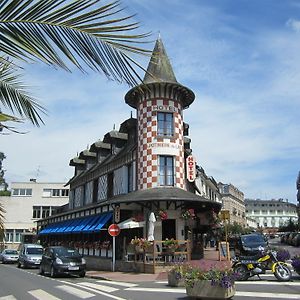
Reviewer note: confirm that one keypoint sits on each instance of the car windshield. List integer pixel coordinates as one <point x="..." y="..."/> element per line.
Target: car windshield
<point x="38" y="251"/>
<point x="66" y="252"/>
<point x="10" y="252"/>
<point x="252" y="239"/>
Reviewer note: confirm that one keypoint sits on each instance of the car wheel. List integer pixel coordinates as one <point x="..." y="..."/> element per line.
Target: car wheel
<point x="82" y="274"/>
<point x="41" y="271"/>
<point x="52" y="272"/>
<point x="19" y="264"/>
<point x="3" y="261"/>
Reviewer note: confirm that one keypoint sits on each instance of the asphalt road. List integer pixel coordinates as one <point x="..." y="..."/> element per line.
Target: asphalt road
<point x="20" y="284"/>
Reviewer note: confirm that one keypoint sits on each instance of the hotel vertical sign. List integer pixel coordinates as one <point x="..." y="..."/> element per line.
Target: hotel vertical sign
<point x="190" y="168"/>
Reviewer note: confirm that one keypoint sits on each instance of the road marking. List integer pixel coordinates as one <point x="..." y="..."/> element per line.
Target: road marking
<point x="266" y="295"/>
<point x="126" y="284"/>
<point x="100" y="287"/>
<point x="75" y="291"/>
<point x="95" y="291"/>
<point x="267" y="283"/>
<point x="163" y="290"/>
<point x="9" y="297"/>
<point x="42" y="295"/>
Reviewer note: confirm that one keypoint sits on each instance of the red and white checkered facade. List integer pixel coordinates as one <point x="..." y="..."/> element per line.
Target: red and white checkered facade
<point x="150" y="146"/>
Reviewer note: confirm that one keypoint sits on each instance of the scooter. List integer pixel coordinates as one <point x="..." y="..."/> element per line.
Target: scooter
<point x="249" y="266"/>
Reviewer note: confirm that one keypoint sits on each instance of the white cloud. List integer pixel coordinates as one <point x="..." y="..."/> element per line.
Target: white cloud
<point x="293" y="24"/>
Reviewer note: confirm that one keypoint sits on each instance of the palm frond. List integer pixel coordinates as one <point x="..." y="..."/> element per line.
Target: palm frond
<point x="88" y="34"/>
<point x="14" y="96"/>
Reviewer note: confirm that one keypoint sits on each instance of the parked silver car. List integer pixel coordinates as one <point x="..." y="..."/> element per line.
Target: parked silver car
<point x="30" y="255"/>
<point x="9" y="256"/>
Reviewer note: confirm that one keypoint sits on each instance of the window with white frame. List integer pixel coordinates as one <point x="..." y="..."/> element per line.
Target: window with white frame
<point x="166" y="170"/>
<point x="22" y="192"/>
<point x="18" y="235"/>
<point x="36" y="212"/>
<point x="9" y="235"/>
<point x="165" y="124"/>
<point x="56" y="192"/>
<point x="64" y="192"/>
<point x="45" y="211"/>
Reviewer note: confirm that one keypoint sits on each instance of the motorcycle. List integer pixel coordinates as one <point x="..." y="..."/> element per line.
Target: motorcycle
<point x="249" y="266"/>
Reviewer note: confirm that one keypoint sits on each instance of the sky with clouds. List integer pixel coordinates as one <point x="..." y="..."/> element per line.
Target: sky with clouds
<point x="241" y="59"/>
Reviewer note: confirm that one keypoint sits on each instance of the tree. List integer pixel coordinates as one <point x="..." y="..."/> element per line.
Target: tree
<point x="60" y="33"/>
<point x="3" y="184"/>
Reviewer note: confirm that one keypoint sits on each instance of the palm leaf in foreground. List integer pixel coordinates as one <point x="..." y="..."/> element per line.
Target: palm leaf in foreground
<point x="83" y="31"/>
<point x="14" y="97"/>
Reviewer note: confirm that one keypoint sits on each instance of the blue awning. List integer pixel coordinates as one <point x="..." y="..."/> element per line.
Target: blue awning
<point x="103" y="221"/>
<point x="86" y="225"/>
<point x="98" y="223"/>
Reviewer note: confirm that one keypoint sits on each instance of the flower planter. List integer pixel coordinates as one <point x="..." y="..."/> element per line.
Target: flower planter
<point x="139" y="249"/>
<point x="175" y="279"/>
<point x="204" y="290"/>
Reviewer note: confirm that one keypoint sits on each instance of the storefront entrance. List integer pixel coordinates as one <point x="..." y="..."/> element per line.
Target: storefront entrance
<point x="168" y="229"/>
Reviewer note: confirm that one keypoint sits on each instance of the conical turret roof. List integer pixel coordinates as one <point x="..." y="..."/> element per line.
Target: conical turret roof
<point x="159" y="79"/>
<point x="159" y="68"/>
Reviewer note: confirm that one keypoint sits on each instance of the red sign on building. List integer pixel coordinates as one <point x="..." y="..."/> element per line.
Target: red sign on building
<point x="190" y="168"/>
<point x="114" y="230"/>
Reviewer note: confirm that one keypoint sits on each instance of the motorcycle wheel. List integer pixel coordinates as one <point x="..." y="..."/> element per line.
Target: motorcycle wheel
<point x="242" y="272"/>
<point x="282" y="273"/>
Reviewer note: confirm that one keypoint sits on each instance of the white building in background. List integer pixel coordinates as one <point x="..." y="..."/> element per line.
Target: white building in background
<point x="271" y="213"/>
<point x="29" y="202"/>
<point x="233" y="201"/>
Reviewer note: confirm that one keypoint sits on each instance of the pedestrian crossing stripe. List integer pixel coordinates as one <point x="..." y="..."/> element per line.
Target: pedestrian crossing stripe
<point x="42" y="295"/>
<point x="267" y="295"/>
<point x="9" y="297"/>
<point x="119" y="283"/>
<point x="94" y="290"/>
<point x="77" y="292"/>
<point x="100" y="287"/>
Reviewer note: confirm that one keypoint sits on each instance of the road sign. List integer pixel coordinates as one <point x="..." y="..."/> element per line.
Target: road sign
<point x="224" y="215"/>
<point x="117" y="214"/>
<point x="114" y="230"/>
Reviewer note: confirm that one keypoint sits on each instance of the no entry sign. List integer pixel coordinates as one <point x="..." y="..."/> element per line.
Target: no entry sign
<point x="114" y="230"/>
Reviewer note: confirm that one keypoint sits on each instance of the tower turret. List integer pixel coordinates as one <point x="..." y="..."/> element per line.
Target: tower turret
<point x="159" y="102"/>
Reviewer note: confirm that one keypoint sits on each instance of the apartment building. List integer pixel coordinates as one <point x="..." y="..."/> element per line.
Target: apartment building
<point x="29" y="202"/>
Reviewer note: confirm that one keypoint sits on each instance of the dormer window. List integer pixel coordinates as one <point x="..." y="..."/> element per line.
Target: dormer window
<point x="165" y="124"/>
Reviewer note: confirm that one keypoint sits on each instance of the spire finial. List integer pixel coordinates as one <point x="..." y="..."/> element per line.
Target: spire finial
<point x="159" y="68"/>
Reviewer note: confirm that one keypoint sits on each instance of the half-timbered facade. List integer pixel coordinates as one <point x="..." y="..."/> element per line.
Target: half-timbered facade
<point x="144" y="167"/>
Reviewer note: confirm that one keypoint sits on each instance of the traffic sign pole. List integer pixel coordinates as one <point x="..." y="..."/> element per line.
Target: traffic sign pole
<point x="114" y="230"/>
<point x="114" y="254"/>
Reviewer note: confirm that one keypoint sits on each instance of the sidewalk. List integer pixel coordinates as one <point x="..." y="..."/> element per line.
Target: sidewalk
<point x="211" y="259"/>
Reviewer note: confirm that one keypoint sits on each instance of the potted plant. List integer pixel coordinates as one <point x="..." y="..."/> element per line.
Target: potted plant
<point x="188" y="214"/>
<point x="211" y="284"/>
<point x="296" y="263"/>
<point x="162" y="214"/>
<point x="283" y="255"/>
<point x="177" y="273"/>
<point x="170" y="244"/>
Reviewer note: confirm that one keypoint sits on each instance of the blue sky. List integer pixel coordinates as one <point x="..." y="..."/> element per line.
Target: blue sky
<point x="241" y="59"/>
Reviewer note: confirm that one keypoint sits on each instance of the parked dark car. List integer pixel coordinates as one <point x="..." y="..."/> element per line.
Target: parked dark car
<point x="296" y="240"/>
<point x="58" y="260"/>
<point x="251" y="244"/>
<point x="290" y="237"/>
